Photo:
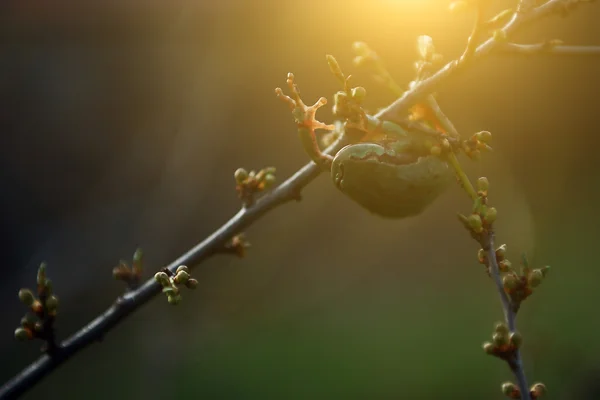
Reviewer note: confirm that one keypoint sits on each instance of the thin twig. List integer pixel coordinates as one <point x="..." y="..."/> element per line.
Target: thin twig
<point x="549" y="49"/>
<point x="428" y="85"/>
<point x="515" y="363"/>
<point x="133" y="300"/>
<point x="287" y="191"/>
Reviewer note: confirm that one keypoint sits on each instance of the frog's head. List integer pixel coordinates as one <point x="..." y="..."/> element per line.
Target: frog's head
<point x="390" y="184"/>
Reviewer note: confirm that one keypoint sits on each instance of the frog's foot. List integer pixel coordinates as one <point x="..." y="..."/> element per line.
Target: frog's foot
<point x="307" y="124"/>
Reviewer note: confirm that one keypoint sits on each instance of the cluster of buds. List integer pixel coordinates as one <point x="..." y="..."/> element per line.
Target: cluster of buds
<point x="504" y="343"/>
<point x="478" y="142"/>
<point x="237" y="245"/>
<point x="511" y="390"/>
<point x="347" y="103"/>
<point x="364" y="54"/>
<point x="518" y="284"/>
<point x="38" y="322"/>
<point x="130" y="275"/>
<point x="169" y="282"/>
<point x="248" y="184"/>
<point x="482" y="216"/>
<point x="439" y="147"/>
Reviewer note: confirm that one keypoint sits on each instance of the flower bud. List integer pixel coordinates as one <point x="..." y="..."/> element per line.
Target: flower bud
<point x="516" y="339"/>
<point x="191" y="283"/>
<point x="361" y="48"/>
<point x="509" y="281"/>
<point x="41" y="275"/>
<point x="475" y="223"/>
<point x="535" y="278"/>
<point x="482" y="256"/>
<point x="26" y="297"/>
<point x="483" y="184"/>
<point x="162" y="278"/>
<point x="501" y="328"/>
<point x="490" y="215"/>
<point x="240" y="175"/>
<point x="181" y="277"/>
<point x="358" y="93"/>
<point x="499" y="339"/>
<point x="505" y="265"/>
<point x="538" y="390"/>
<point x="23" y="334"/>
<point x="484" y="136"/>
<point x="52" y="303"/>
<point x="510" y="389"/>
<point x="269" y="181"/>
<point x="334" y="67"/>
<point x="501" y="252"/>
<point x="182" y="268"/>
<point x="488" y="348"/>
<point x="174" y="299"/>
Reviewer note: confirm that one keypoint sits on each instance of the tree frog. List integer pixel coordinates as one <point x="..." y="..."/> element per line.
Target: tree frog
<point x="384" y="168"/>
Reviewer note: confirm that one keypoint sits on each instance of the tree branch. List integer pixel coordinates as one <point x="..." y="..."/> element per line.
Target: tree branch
<point x="287" y="191"/>
<point x="515" y="363"/>
<point x="428" y="85"/>
<point x="550" y="49"/>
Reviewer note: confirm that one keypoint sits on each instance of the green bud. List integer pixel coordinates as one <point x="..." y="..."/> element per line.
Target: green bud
<point x="482" y="256"/>
<point x="174" y="299"/>
<point x="501" y="327"/>
<point x="491" y="215"/>
<point x="269" y="181"/>
<point x="509" y="281"/>
<point x="535" y="278"/>
<point x="181" y="277"/>
<point x="191" y="283"/>
<point x="361" y="48"/>
<point x="359" y="61"/>
<point x="26" y="297"/>
<point x="475" y="155"/>
<point x="334" y="67"/>
<point x="538" y="390"/>
<point x="516" y="339"/>
<point x="163" y="279"/>
<point x="52" y="303"/>
<point x="182" y="268"/>
<point x="475" y="223"/>
<point x="28" y="320"/>
<point x="41" y="275"/>
<point x="484" y="136"/>
<point x="170" y="291"/>
<point x="358" y="93"/>
<point x="545" y="270"/>
<point x="501" y="252"/>
<point x="509" y="389"/>
<point x="240" y="175"/>
<point x="138" y="255"/>
<point x="499" y="339"/>
<point x="23" y="334"/>
<point x="505" y="265"/>
<point x="483" y="184"/>
<point x="488" y="347"/>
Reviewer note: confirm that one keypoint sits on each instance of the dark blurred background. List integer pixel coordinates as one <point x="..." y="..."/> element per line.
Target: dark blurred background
<point x="122" y="123"/>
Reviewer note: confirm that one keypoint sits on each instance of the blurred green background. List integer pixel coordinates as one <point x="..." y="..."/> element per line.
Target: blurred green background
<point x="122" y="124"/>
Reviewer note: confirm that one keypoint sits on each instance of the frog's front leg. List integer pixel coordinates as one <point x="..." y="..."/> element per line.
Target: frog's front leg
<point x="307" y="124"/>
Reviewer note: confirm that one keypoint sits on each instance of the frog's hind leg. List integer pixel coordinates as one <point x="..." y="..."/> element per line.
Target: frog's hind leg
<point x="307" y="124"/>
